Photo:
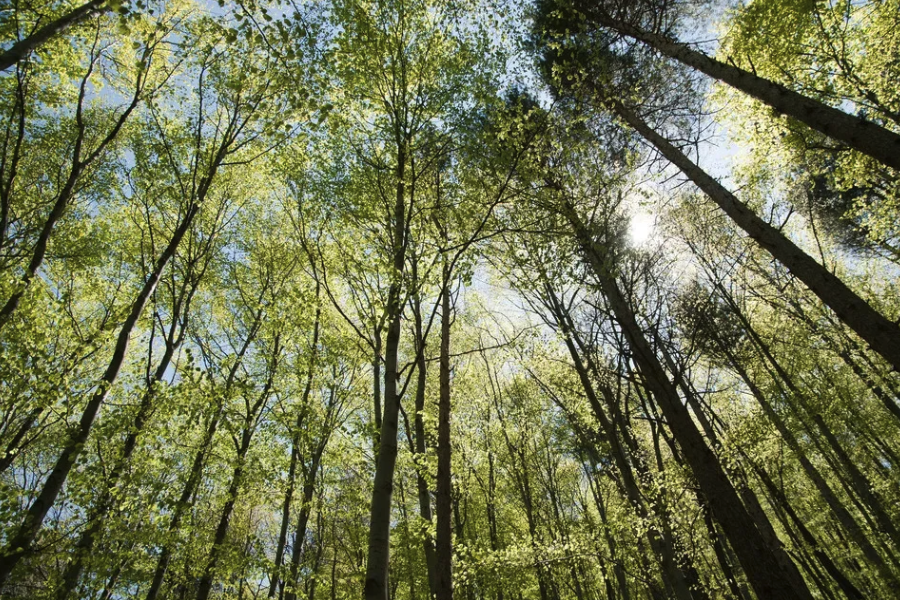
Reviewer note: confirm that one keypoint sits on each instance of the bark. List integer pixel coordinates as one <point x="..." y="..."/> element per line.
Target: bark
<point x="848" y="523"/>
<point x="79" y="164"/>
<point x="309" y="488"/>
<point x="376" y="583"/>
<point x="880" y="333"/>
<point x="172" y="340"/>
<point x="766" y="576"/>
<point x="858" y="481"/>
<point x="881" y="144"/>
<point x="444" y="547"/>
<point x="23" y="47"/>
<point x="20" y="544"/>
<point x="420" y="446"/>
<point x="184" y="502"/>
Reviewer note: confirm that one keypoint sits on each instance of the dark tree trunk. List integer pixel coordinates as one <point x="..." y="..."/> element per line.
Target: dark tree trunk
<point x="20" y="544"/>
<point x="881" y="144"/>
<point x="376" y="583"/>
<point x="765" y="574"/>
<point x="23" y="47"/>
<point x="419" y="457"/>
<point x="444" y="545"/>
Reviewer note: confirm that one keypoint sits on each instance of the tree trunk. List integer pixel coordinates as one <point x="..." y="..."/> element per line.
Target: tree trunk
<point x="237" y="477"/>
<point x="20" y="49"/>
<point x="843" y="516"/>
<point x="765" y="574"/>
<point x="444" y="485"/>
<point x="295" y="453"/>
<point x="20" y="544"/>
<point x="419" y="458"/>
<point x="196" y="472"/>
<point x="881" y="144"/>
<point x="376" y="585"/>
<point x="880" y="333"/>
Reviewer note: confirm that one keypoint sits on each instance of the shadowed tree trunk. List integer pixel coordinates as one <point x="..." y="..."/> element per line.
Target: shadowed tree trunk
<point x="766" y="576"/>
<point x="23" y="47"/>
<point x="881" y="144"/>
<point x="880" y="333"/>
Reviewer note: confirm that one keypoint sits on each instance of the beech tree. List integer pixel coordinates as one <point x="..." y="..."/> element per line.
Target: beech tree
<point x="431" y="299"/>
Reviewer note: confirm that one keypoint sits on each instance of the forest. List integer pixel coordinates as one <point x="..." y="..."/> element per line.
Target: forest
<point x="435" y="299"/>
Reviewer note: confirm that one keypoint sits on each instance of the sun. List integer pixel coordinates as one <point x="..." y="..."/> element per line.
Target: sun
<point x="640" y="227"/>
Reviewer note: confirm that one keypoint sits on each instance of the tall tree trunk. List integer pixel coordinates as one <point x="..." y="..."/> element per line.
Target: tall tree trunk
<point x="858" y="481"/>
<point x="20" y="544"/>
<point x="309" y="488"/>
<point x="881" y="144"/>
<point x="237" y="477"/>
<point x="419" y="457"/>
<point x="182" y="300"/>
<point x="79" y="164"/>
<point x="302" y="411"/>
<point x="766" y="576"/>
<point x="184" y="501"/>
<point x="843" y="516"/>
<point x="376" y="585"/>
<point x="880" y="333"/>
<point x="846" y="586"/>
<point x="23" y="47"/>
<point x="444" y="545"/>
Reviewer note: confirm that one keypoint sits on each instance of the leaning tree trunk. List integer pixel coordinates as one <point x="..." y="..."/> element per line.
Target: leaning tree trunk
<point x="20" y="544"/>
<point x="881" y="144"/>
<point x="880" y="333"/>
<point x="79" y="164"/>
<point x="20" y="49"/>
<point x="766" y="576"/>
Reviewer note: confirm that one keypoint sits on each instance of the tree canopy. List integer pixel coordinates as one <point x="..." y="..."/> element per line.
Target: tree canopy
<point x="424" y="299"/>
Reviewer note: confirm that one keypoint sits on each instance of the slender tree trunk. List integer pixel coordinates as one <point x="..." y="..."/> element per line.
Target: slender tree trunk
<point x="837" y="507"/>
<point x="419" y="457"/>
<point x="295" y="453"/>
<point x="618" y="568"/>
<point x="765" y="574"/>
<point x="237" y="477"/>
<point x="193" y="480"/>
<point x="858" y="481"/>
<point x="627" y="458"/>
<point x="721" y="555"/>
<point x="880" y="333"/>
<point x="309" y="488"/>
<point x="881" y="144"/>
<point x="751" y="502"/>
<point x="23" y="47"/>
<point x="846" y="586"/>
<point x="20" y="544"/>
<point x="376" y="585"/>
<point x="491" y="502"/>
<point x="376" y="391"/>
<point x="79" y="164"/>
<point x="444" y="485"/>
<point x="100" y="511"/>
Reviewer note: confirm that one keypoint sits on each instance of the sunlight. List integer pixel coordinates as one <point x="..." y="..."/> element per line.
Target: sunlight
<point x="640" y="227"/>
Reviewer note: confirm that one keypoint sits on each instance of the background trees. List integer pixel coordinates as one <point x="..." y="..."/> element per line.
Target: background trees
<point x="349" y="298"/>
